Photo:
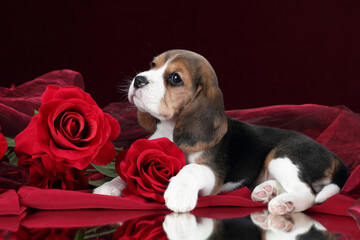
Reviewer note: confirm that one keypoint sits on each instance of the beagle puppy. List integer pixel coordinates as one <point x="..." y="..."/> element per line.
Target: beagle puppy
<point x="179" y="98"/>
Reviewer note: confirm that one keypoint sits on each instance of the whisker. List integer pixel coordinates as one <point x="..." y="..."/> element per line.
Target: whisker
<point x="123" y="98"/>
<point x="124" y="86"/>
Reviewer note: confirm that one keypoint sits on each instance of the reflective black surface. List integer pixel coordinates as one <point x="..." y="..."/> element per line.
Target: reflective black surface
<point x="207" y="223"/>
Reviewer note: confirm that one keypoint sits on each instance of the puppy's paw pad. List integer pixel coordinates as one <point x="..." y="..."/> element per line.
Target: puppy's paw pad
<point x="180" y="196"/>
<point x="264" y="192"/>
<point x="108" y="189"/>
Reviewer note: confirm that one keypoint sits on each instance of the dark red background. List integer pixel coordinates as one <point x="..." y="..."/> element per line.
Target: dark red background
<point x="264" y="52"/>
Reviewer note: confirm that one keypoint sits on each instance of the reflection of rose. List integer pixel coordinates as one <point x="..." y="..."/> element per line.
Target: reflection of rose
<point x="70" y="129"/>
<point x="45" y="233"/>
<point x="66" y="178"/>
<point x="149" y="227"/>
<point x="148" y="166"/>
<point x="3" y="146"/>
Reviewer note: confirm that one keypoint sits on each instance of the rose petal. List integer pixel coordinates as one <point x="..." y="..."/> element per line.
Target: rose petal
<point x="106" y="154"/>
<point x="28" y="135"/>
<point x="120" y="160"/>
<point x="163" y="179"/>
<point x="72" y="125"/>
<point x="3" y="145"/>
<point x="147" y="154"/>
<point x="115" y="126"/>
<point x="49" y="93"/>
<point x="81" y="108"/>
<point x="71" y="92"/>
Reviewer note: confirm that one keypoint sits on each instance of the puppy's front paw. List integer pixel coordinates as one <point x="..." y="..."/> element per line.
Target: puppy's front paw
<point x="181" y="195"/>
<point x="112" y="188"/>
<point x="108" y="189"/>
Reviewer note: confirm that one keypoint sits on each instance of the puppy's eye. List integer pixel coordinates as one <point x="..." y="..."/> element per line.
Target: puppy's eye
<point x="152" y="65"/>
<point x="174" y="79"/>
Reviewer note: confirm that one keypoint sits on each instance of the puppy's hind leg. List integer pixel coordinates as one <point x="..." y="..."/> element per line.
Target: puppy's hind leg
<point x="266" y="191"/>
<point x="297" y="196"/>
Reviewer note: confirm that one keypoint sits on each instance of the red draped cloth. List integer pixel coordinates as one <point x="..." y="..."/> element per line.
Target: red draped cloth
<point x="337" y="128"/>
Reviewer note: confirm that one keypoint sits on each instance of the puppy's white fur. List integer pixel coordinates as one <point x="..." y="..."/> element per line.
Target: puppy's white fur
<point x="296" y="192"/>
<point x="147" y="99"/>
<point x="164" y="129"/>
<point x="229" y="186"/>
<point x="183" y="190"/>
<point x="112" y="188"/>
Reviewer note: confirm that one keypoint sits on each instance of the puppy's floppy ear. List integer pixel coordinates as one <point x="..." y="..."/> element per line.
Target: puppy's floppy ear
<point x="202" y="123"/>
<point x="147" y="121"/>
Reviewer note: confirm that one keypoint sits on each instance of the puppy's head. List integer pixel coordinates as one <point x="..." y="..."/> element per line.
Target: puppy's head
<point x="181" y="86"/>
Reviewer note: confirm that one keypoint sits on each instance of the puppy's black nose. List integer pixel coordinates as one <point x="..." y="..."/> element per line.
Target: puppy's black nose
<point x="140" y="81"/>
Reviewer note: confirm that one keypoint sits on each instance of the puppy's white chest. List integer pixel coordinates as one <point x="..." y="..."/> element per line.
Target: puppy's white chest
<point x="164" y="129"/>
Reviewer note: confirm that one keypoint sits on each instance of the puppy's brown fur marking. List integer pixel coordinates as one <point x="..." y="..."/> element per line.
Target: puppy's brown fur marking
<point x="147" y="121"/>
<point x="264" y="173"/>
<point x="176" y="97"/>
<point x="328" y="175"/>
<point x="160" y="61"/>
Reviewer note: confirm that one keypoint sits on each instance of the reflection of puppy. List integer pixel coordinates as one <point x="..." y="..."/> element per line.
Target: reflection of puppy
<point x="262" y="225"/>
<point x="294" y="226"/>
<point x="185" y="226"/>
<point x="179" y="98"/>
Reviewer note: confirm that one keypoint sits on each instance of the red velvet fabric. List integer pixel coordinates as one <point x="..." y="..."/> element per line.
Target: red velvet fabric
<point x="12" y="177"/>
<point x="338" y="128"/>
<point x="49" y="199"/>
<point x="9" y="203"/>
<point x="17" y="104"/>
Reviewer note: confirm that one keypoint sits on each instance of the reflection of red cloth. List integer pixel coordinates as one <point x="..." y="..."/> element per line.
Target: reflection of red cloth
<point x="88" y="218"/>
<point x="335" y="127"/>
<point x="354" y="211"/>
<point x="11" y="223"/>
<point x="82" y="218"/>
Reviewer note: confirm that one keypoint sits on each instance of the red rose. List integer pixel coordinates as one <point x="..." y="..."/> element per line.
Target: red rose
<point x="3" y="145"/>
<point x="68" y="178"/>
<point x="149" y="227"/>
<point x="148" y="166"/>
<point x="70" y="129"/>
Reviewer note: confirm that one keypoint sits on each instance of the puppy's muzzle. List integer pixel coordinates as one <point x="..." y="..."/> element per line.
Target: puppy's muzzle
<point x="140" y="82"/>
